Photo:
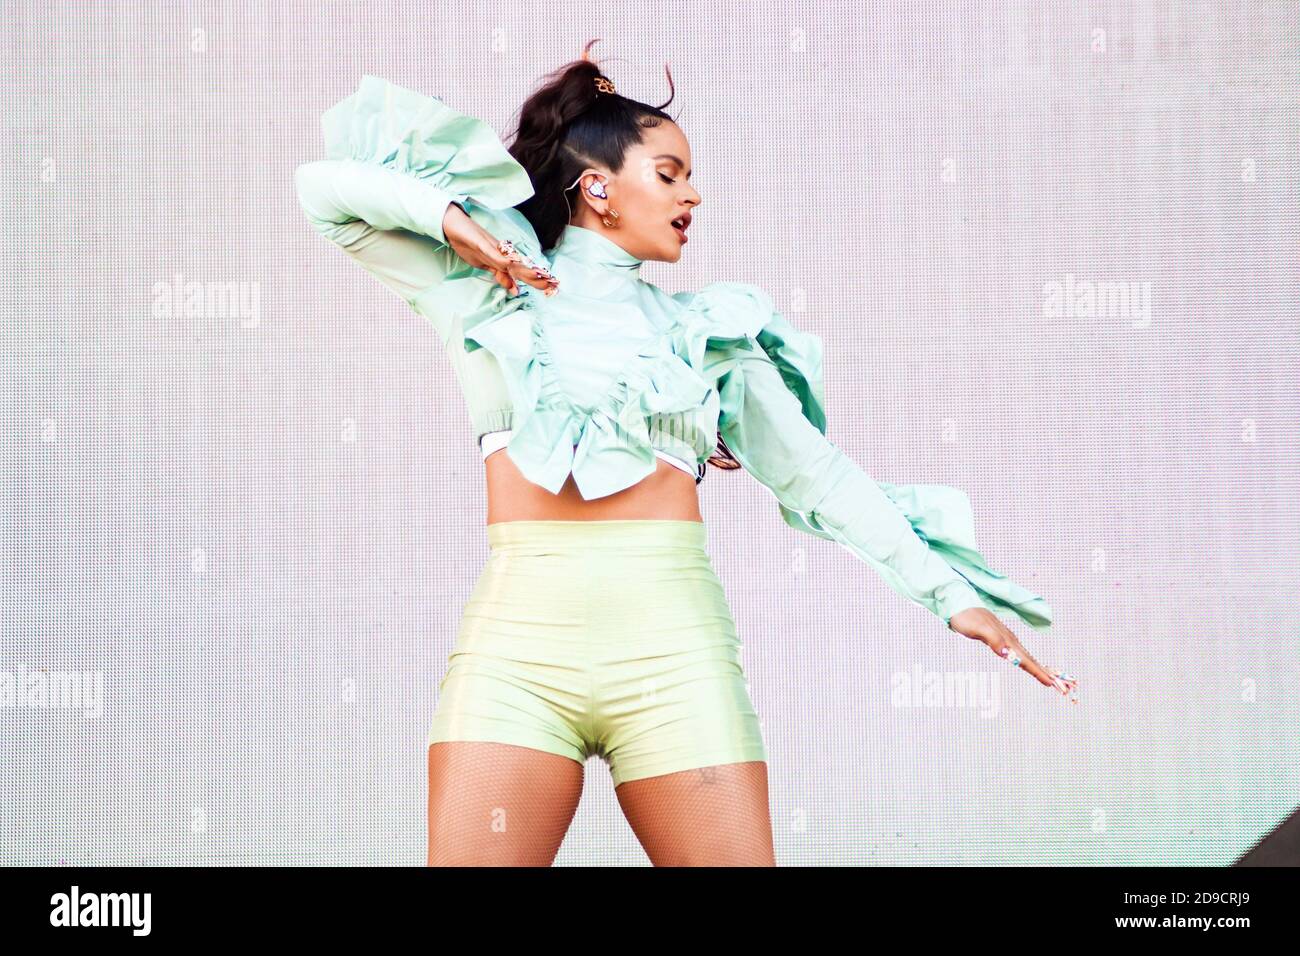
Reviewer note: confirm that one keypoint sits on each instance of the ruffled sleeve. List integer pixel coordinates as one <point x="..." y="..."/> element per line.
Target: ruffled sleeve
<point x="742" y="315"/>
<point x="919" y="538"/>
<point x="396" y="159"/>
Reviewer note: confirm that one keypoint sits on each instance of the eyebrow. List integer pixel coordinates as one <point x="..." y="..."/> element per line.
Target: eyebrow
<point x="677" y="160"/>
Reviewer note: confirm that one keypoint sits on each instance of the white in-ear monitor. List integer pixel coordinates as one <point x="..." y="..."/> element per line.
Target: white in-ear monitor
<point x="596" y="189"/>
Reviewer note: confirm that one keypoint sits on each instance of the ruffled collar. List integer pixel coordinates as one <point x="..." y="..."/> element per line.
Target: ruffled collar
<point x="593" y="249"/>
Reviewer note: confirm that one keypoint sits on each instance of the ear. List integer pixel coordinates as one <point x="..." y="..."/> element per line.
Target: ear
<point x="590" y="188"/>
<point x="591" y="191"/>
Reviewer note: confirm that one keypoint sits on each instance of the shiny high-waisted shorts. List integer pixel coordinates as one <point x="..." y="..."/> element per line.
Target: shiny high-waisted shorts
<point x="610" y="638"/>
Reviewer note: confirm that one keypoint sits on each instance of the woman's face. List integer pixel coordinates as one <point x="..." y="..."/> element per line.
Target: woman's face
<point x="651" y="193"/>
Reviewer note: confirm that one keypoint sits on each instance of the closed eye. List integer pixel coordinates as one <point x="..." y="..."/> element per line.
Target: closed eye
<point x="666" y="179"/>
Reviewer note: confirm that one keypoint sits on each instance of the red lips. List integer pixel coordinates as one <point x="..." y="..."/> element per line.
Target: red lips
<point x="685" y="220"/>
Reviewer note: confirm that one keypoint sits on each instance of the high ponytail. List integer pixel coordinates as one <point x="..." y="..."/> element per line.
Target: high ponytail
<point x="567" y="125"/>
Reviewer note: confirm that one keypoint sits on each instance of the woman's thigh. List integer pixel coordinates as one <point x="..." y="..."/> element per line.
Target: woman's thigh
<point x="709" y="816"/>
<point x="494" y="804"/>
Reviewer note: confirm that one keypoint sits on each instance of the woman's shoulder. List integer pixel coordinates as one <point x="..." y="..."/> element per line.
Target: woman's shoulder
<point x="737" y="323"/>
<point x="727" y="310"/>
<point x="727" y="303"/>
<point x="740" y="313"/>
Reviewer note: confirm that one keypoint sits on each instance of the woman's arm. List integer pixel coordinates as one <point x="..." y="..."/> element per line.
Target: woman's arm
<point x="823" y="492"/>
<point x="400" y="168"/>
<point x="388" y="222"/>
<point x="765" y="427"/>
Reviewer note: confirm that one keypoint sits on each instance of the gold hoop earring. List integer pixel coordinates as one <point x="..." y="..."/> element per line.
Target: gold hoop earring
<point x="605" y="219"/>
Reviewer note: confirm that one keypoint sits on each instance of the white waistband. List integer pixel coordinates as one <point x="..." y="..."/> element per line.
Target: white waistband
<point x="494" y="441"/>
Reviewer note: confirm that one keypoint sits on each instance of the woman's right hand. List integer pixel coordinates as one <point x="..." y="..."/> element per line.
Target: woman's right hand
<point x="481" y="250"/>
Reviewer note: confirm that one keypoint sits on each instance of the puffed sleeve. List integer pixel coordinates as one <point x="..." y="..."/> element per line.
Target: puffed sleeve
<point x="919" y="538"/>
<point x="396" y="159"/>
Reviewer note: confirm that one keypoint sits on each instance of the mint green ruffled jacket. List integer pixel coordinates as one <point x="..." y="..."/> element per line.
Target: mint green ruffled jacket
<point x="596" y="377"/>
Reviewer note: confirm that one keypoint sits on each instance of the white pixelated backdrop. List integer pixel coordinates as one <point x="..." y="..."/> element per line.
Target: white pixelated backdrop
<point x="1051" y="250"/>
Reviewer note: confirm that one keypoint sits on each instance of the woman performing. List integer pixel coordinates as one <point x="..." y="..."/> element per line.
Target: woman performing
<point x="598" y="625"/>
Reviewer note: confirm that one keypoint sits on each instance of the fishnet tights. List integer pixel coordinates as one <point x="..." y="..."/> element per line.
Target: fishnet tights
<point x="713" y="816"/>
<point x="496" y="804"/>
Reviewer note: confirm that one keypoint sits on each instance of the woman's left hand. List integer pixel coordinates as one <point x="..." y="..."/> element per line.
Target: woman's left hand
<point x="981" y="624"/>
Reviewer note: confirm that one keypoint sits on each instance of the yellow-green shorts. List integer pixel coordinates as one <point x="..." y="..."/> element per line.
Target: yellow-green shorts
<point x="610" y="638"/>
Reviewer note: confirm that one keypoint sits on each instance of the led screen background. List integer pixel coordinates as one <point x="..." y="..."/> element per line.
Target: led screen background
<point x="253" y="524"/>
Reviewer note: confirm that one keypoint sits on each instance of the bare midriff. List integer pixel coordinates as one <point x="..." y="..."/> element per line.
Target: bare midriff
<point x="667" y="494"/>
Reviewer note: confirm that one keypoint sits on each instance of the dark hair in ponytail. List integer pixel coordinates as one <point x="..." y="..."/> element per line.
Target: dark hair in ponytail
<point x="564" y="127"/>
<point x="568" y="125"/>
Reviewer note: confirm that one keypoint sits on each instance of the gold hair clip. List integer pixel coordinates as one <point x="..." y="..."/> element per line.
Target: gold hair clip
<point x="604" y="85"/>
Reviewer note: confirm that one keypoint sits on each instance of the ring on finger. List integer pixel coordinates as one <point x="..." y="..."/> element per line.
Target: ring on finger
<point x="507" y="249"/>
